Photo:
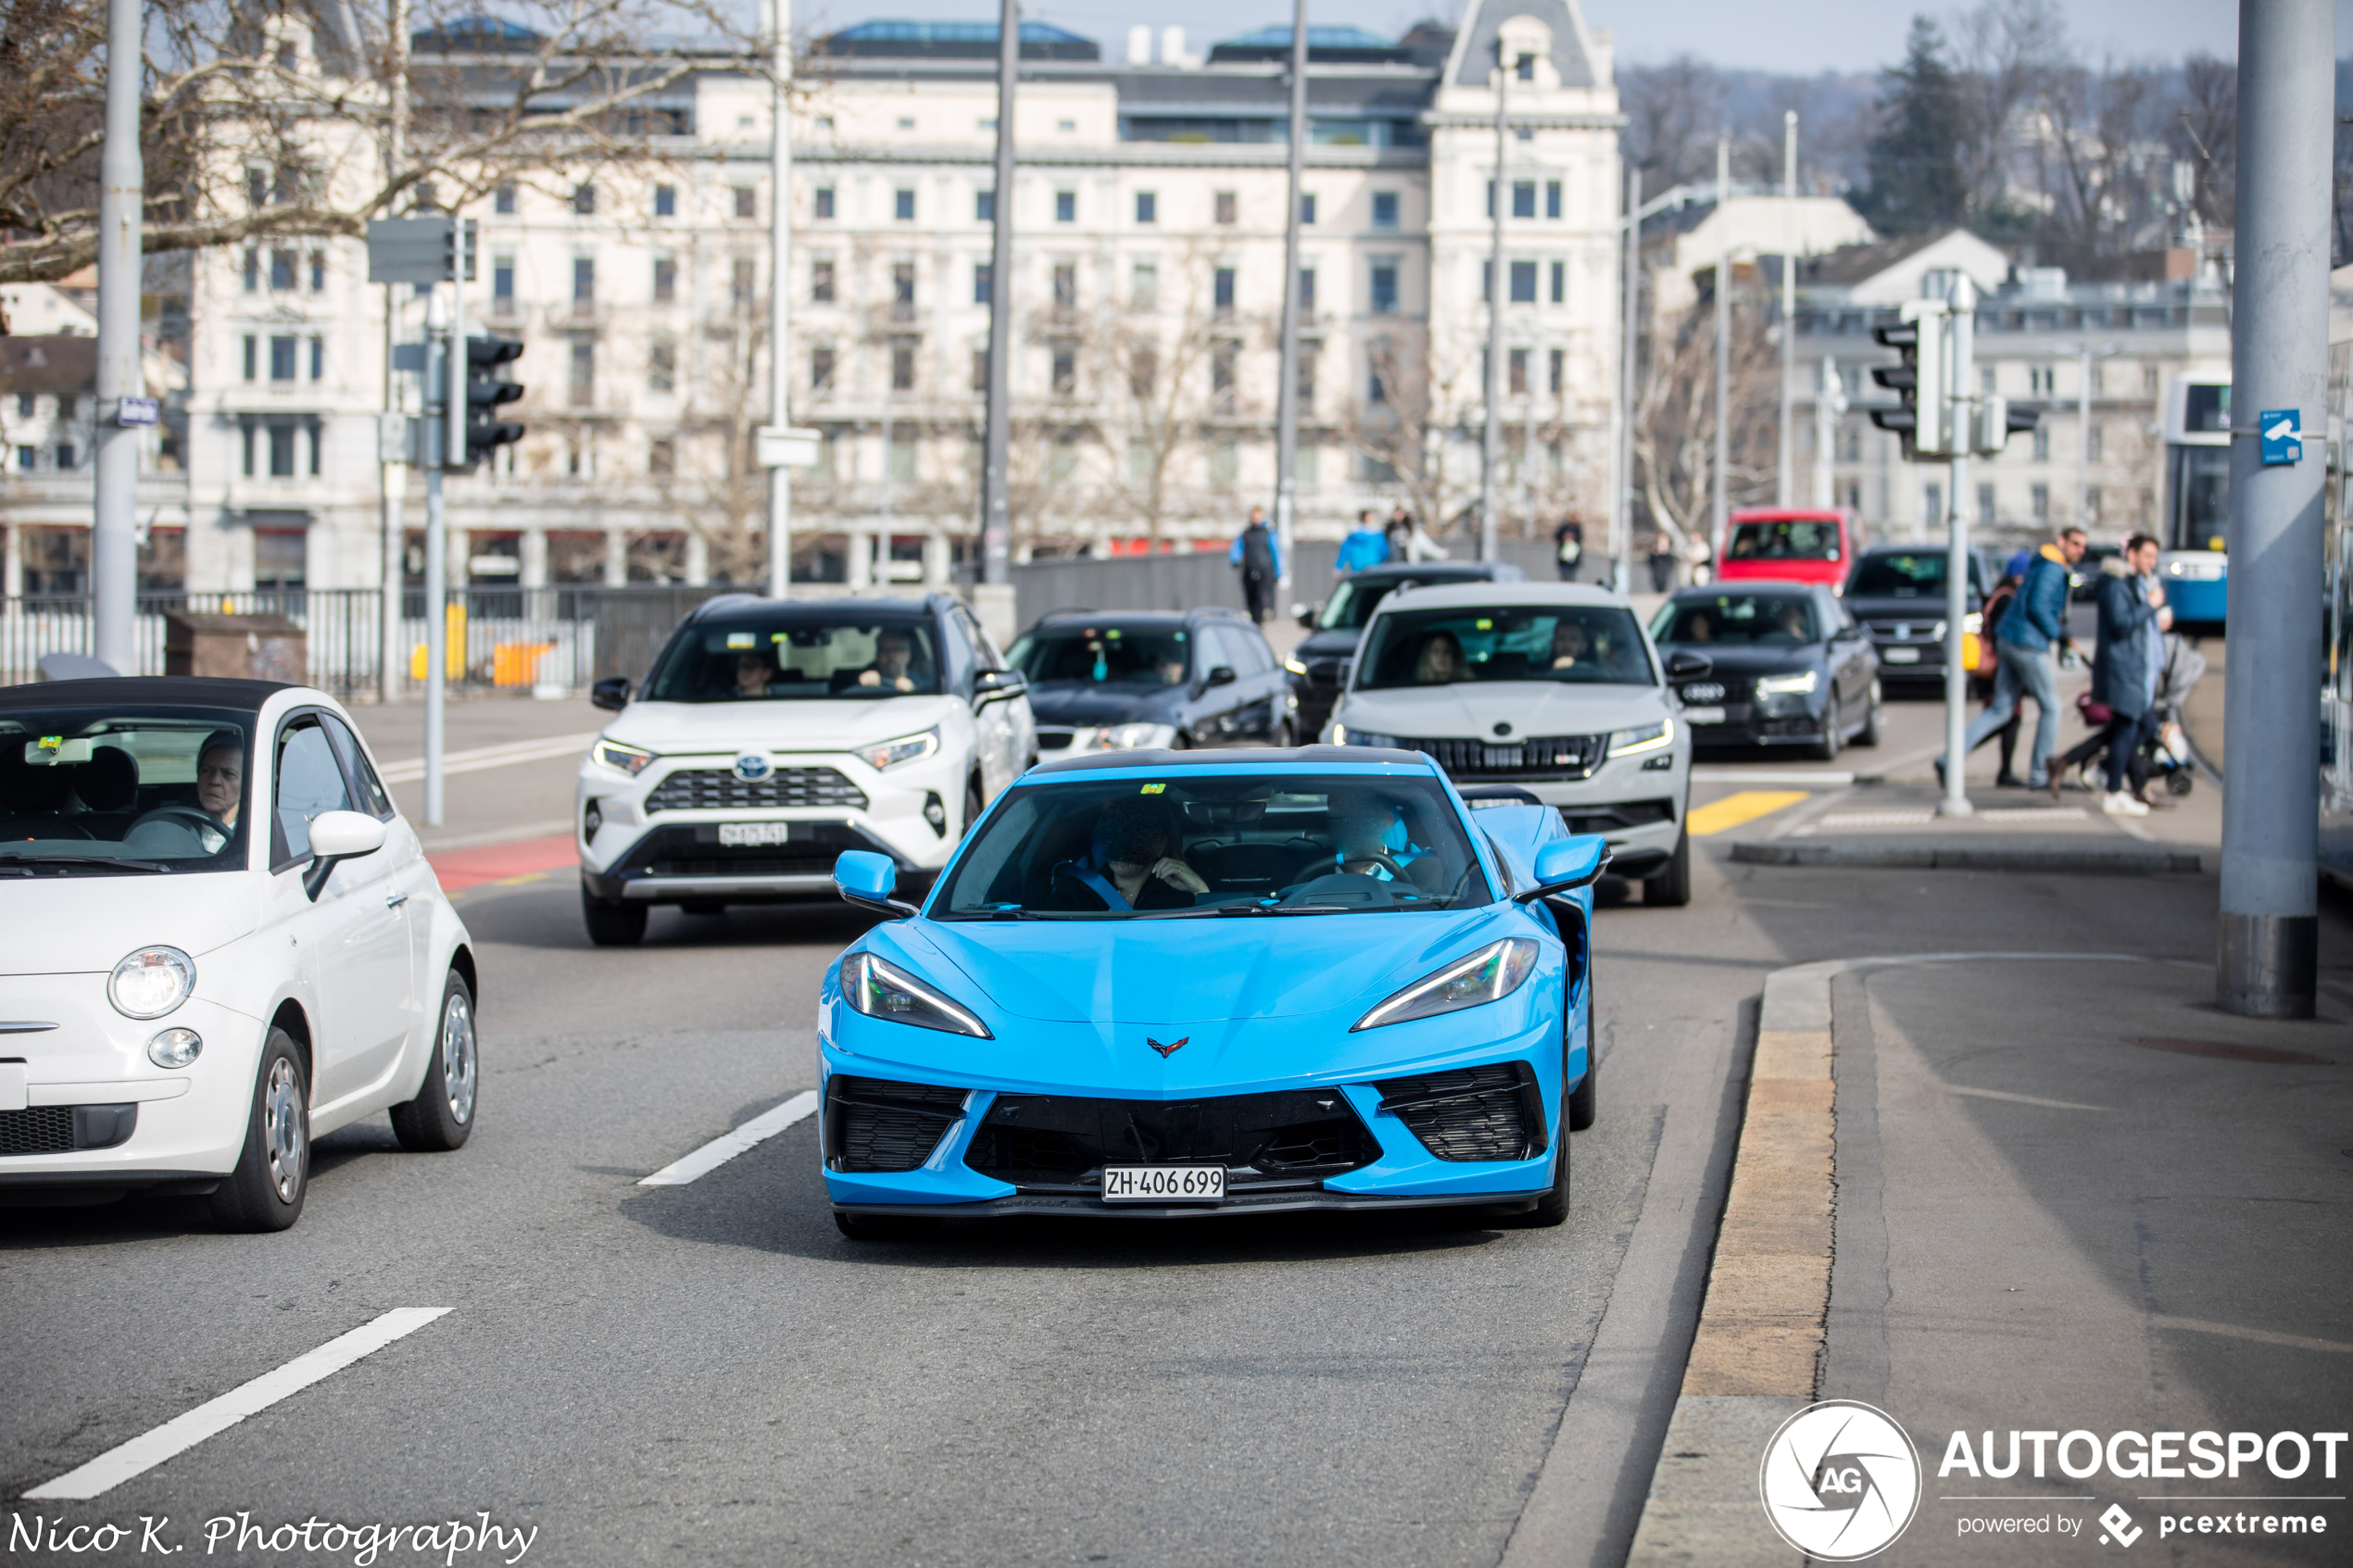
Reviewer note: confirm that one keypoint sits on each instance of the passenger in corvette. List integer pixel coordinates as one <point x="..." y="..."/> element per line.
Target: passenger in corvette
<point x="892" y="668"/>
<point x="204" y="828"/>
<point x="1128" y="867"/>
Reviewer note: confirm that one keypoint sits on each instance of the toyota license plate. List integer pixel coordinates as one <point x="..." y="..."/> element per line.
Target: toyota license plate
<point x="746" y="835"/>
<point x="1164" y="1184"/>
<point x="1900" y="656"/>
<point x="1703" y="715"/>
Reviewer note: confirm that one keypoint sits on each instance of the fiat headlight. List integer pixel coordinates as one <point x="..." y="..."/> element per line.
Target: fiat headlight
<point x="1138" y="737"/>
<point x="893" y="753"/>
<point x="151" y="981"/>
<point x="1789" y="686"/>
<point x="630" y="759"/>
<point x="1487" y="975"/>
<point x="1642" y="737"/>
<point x="879" y="990"/>
<point x="175" y="1048"/>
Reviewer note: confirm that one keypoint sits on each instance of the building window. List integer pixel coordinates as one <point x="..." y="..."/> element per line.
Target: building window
<point x="662" y="367"/>
<point x="1523" y="283"/>
<point x="1143" y="371"/>
<point x="1065" y="369"/>
<point x="2042" y="444"/>
<point x="661" y="456"/>
<point x="2041" y="381"/>
<point x="1065" y="207"/>
<point x="317" y="359"/>
<point x="1310" y="355"/>
<point x="282" y="358"/>
<point x="1560" y="282"/>
<point x="1307" y="208"/>
<point x="1559" y="364"/>
<point x="902" y="367"/>
<point x="984" y="277"/>
<point x="2041" y="502"/>
<point x="584" y="371"/>
<point x="902" y="291"/>
<point x="747" y="202"/>
<point x="903" y="206"/>
<point x="1516" y="373"/>
<point x="984" y="207"/>
<point x="584" y="284"/>
<point x="1226" y="464"/>
<point x="503" y="202"/>
<point x="281" y="557"/>
<point x="743" y="283"/>
<point x="281" y="451"/>
<point x="584" y="200"/>
<point x="502" y="285"/>
<point x="1223" y="357"/>
<point x="1306" y="468"/>
<point x="821" y="280"/>
<point x="1222" y="286"/>
<point x="665" y="279"/>
<point x="2091" y="504"/>
<point x="1147" y="206"/>
<point x="980" y="369"/>
<point x="821" y="370"/>
<point x="1066" y="286"/>
<point x="1932" y="502"/>
<point x="1525" y="69"/>
<point x="253" y="270"/>
<point x="282" y="270"/>
<point x="1551" y="198"/>
<point x="902" y="458"/>
<point x="65" y="456"/>
<point x="2148" y="381"/>
<point x="1225" y="205"/>
<point x="1523" y="198"/>
<point x="1384" y="288"/>
<point x="26" y="404"/>
<point x="824" y="201"/>
<point x="1384" y="209"/>
<point x="1143" y="286"/>
<point x="1985" y="502"/>
<point x="257" y="188"/>
<point x="1306" y="291"/>
<point x="252" y="351"/>
<point x="317" y="271"/>
<point x="2092" y="442"/>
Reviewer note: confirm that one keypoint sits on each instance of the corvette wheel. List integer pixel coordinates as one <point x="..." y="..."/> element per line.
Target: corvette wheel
<point x="1552" y="1208"/>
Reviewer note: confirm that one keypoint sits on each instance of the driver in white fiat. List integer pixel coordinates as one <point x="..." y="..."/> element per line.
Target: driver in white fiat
<point x="292" y="965"/>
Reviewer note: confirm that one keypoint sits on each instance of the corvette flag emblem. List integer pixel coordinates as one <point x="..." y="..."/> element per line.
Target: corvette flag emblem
<point x="1167" y="1051"/>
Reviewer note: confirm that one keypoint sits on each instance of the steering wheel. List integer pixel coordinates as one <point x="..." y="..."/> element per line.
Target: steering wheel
<point x="1396" y="871"/>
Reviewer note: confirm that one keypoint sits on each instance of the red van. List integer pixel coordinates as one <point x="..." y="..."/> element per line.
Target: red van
<point x="1788" y="543"/>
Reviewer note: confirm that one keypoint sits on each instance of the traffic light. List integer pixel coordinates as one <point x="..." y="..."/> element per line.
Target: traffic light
<point x="486" y="387"/>
<point x="1996" y="421"/>
<point x="1924" y="420"/>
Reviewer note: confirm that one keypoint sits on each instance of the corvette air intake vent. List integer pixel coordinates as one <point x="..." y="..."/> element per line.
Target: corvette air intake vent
<point x="875" y="1124"/>
<point x="1471" y="1113"/>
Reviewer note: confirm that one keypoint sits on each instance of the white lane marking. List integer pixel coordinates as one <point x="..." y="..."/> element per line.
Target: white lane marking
<point x="181" y="1433"/>
<point x="2020" y="1100"/>
<point x="2033" y="813"/>
<point x="1794" y="779"/>
<point x="2229" y="1331"/>
<point x="409" y="769"/>
<point x="719" y="1151"/>
<point x="1875" y="819"/>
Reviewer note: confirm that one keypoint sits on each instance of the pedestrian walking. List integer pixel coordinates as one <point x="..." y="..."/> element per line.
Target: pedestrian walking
<point x="1988" y="664"/>
<point x="1662" y="562"/>
<point x="1407" y="543"/>
<point x="1259" y="557"/>
<point x="2034" y="625"/>
<point x="1368" y="546"/>
<point x="2128" y="662"/>
<point x="1568" y="548"/>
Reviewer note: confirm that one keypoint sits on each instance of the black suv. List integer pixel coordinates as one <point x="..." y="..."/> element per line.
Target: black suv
<point x="1125" y="680"/>
<point x="1335" y="629"/>
<point x="1897" y="592"/>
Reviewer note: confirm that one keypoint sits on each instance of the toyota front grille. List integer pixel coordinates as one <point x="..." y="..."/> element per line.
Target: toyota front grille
<point x="718" y="790"/>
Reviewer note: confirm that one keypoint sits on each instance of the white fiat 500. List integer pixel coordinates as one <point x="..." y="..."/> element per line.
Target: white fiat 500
<point x="221" y="942"/>
<point x="771" y="737"/>
<point x="1553" y="690"/>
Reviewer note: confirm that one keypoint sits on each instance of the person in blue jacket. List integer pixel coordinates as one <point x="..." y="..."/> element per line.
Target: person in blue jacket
<point x="1368" y="546"/>
<point x="2025" y="646"/>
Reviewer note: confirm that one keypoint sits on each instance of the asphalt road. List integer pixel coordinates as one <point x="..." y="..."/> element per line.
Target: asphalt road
<point x="710" y="1373"/>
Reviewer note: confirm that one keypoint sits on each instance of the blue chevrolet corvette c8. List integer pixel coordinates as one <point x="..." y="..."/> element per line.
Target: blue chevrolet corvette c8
<point x="1149" y="985"/>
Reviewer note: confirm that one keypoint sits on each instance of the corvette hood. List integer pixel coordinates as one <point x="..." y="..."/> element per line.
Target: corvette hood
<point x="1083" y="702"/>
<point x="810" y="725"/>
<point x="85" y="923"/>
<point x="1530" y="708"/>
<point x="1236" y="968"/>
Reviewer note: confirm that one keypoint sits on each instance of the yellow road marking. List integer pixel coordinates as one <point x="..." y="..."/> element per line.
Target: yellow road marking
<point x="1745" y="807"/>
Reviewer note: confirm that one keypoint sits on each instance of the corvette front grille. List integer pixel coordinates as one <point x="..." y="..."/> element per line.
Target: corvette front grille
<point x="1557" y="757"/>
<point x="1471" y="1113"/>
<point x="876" y="1124"/>
<point x="1056" y="1141"/>
<point x="718" y="790"/>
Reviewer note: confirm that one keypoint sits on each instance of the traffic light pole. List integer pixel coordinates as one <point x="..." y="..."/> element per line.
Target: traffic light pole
<point x="780" y="209"/>
<point x="2267" y="948"/>
<point x="1957" y="372"/>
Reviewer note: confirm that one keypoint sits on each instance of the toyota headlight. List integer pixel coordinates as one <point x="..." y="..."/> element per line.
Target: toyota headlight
<point x="1789" y="686"/>
<point x="879" y="990"/>
<point x="151" y="981"/>
<point x="896" y="753"/>
<point x="630" y="759"/>
<point x="1642" y="737"/>
<point x="1138" y="737"/>
<point x="1487" y="975"/>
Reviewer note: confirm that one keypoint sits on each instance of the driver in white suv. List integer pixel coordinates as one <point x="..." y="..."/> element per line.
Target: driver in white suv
<point x="770" y="737"/>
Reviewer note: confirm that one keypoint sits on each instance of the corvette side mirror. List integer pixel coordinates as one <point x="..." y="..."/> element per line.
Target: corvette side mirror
<point x="1566" y="864"/>
<point x="868" y="880"/>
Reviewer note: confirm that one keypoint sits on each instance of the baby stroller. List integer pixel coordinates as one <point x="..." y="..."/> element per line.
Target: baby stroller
<point x="2165" y="754"/>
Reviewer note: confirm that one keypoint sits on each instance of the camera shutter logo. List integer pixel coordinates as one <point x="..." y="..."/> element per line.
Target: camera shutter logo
<point x="1840" y="1481"/>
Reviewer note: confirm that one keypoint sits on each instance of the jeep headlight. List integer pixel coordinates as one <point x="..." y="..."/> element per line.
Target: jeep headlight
<point x="881" y="990"/>
<point x="1642" y="737"/>
<point x="1800" y="685"/>
<point x="1487" y="975"/>
<point x="893" y="753"/>
<point x="151" y="981"/>
<point x="624" y="758"/>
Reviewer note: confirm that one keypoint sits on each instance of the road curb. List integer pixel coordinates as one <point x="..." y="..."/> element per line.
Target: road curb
<point x="1971" y="855"/>
<point x="1755" y="1358"/>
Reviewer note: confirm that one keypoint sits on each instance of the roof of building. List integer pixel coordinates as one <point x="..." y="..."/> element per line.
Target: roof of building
<point x="67" y="363"/>
<point x="1473" y="56"/>
<point x="1855" y="264"/>
<point x="1334" y="46"/>
<point x="957" y="40"/>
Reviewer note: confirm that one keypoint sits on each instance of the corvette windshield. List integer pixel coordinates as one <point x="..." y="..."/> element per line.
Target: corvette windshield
<point x="1238" y="844"/>
<point x="94" y="791"/>
<point x="769" y="655"/>
<point x="1575" y="643"/>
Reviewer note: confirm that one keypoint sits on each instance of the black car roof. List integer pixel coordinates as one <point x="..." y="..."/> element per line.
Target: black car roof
<point x="147" y="691"/>
<point x="1144" y="616"/>
<point x="1747" y="585"/>
<point x="1255" y="757"/>
<point x="728" y="604"/>
<point x="1469" y="571"/>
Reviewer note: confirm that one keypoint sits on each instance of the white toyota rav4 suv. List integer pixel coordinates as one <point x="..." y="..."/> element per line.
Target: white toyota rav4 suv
<point x="1553" y="690"/>
<point x="771" y="737"/>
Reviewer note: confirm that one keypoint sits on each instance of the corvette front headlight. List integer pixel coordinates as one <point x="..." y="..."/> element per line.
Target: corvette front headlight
<point x="879" y="990"/>
<point x="1788" y="686"/>
<point x="151" y="981"/>
<point x="1138" y="737"/>
<point x="1642" y="737"/>
<point x="630" y="759"/>
<point x="1487" y="975"/>
<point x="892" y="753"/>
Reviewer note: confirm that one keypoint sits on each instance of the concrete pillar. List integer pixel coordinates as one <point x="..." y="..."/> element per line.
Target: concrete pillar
<point x="698" y="560"/>
<point x="859" y="561"/>
<point x="616" y="558"/>
<point x="936" y="565"/>
<point x="11" y="564"/>
<point x="533" y="552"/>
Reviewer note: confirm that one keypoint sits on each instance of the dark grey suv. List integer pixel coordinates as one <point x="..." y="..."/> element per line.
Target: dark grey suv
<point x="1129" y="679"/>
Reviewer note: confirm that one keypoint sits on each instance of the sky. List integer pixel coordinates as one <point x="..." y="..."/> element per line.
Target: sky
<point x="1802" y="36"/>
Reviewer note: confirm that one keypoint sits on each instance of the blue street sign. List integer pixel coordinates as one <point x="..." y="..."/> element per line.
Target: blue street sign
<point x="2281" y="433"/>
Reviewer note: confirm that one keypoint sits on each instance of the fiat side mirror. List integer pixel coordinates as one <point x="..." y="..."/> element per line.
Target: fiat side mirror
<point x="338" y="835"/>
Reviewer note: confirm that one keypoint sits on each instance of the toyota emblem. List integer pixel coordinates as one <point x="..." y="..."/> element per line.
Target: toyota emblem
<point x="752" y="768"/>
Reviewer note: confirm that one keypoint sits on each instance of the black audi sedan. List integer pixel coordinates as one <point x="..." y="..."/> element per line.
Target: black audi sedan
<point x="1897" y="592"/>
<point x="1135" y="680"/>
<point x="1335" y="627"/>
<point x="1787" y="665"/>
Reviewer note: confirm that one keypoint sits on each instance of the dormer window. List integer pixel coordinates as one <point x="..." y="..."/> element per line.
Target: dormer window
<point x="1527" y="69"/>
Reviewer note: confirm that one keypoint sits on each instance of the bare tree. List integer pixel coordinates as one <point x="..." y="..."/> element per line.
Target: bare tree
<point x="1413" y="420"/>
<point x="2009" y="54"/>
<point x="1157" y="359"/>
<point x="1675" y="417"/>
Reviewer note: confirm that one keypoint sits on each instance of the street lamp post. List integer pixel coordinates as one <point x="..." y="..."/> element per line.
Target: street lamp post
<point x="2083" y="354"/>
<point x="1631" y="280"/>
<point x="1719" y="503"/>
<point x="1490" y="489"/>
<point x="1287" y="392"/>
<point x="114" y="546"/>
<point x="996" y="520"/>
<point x="780" y="291"/>
<point x="1785" y="473"/>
